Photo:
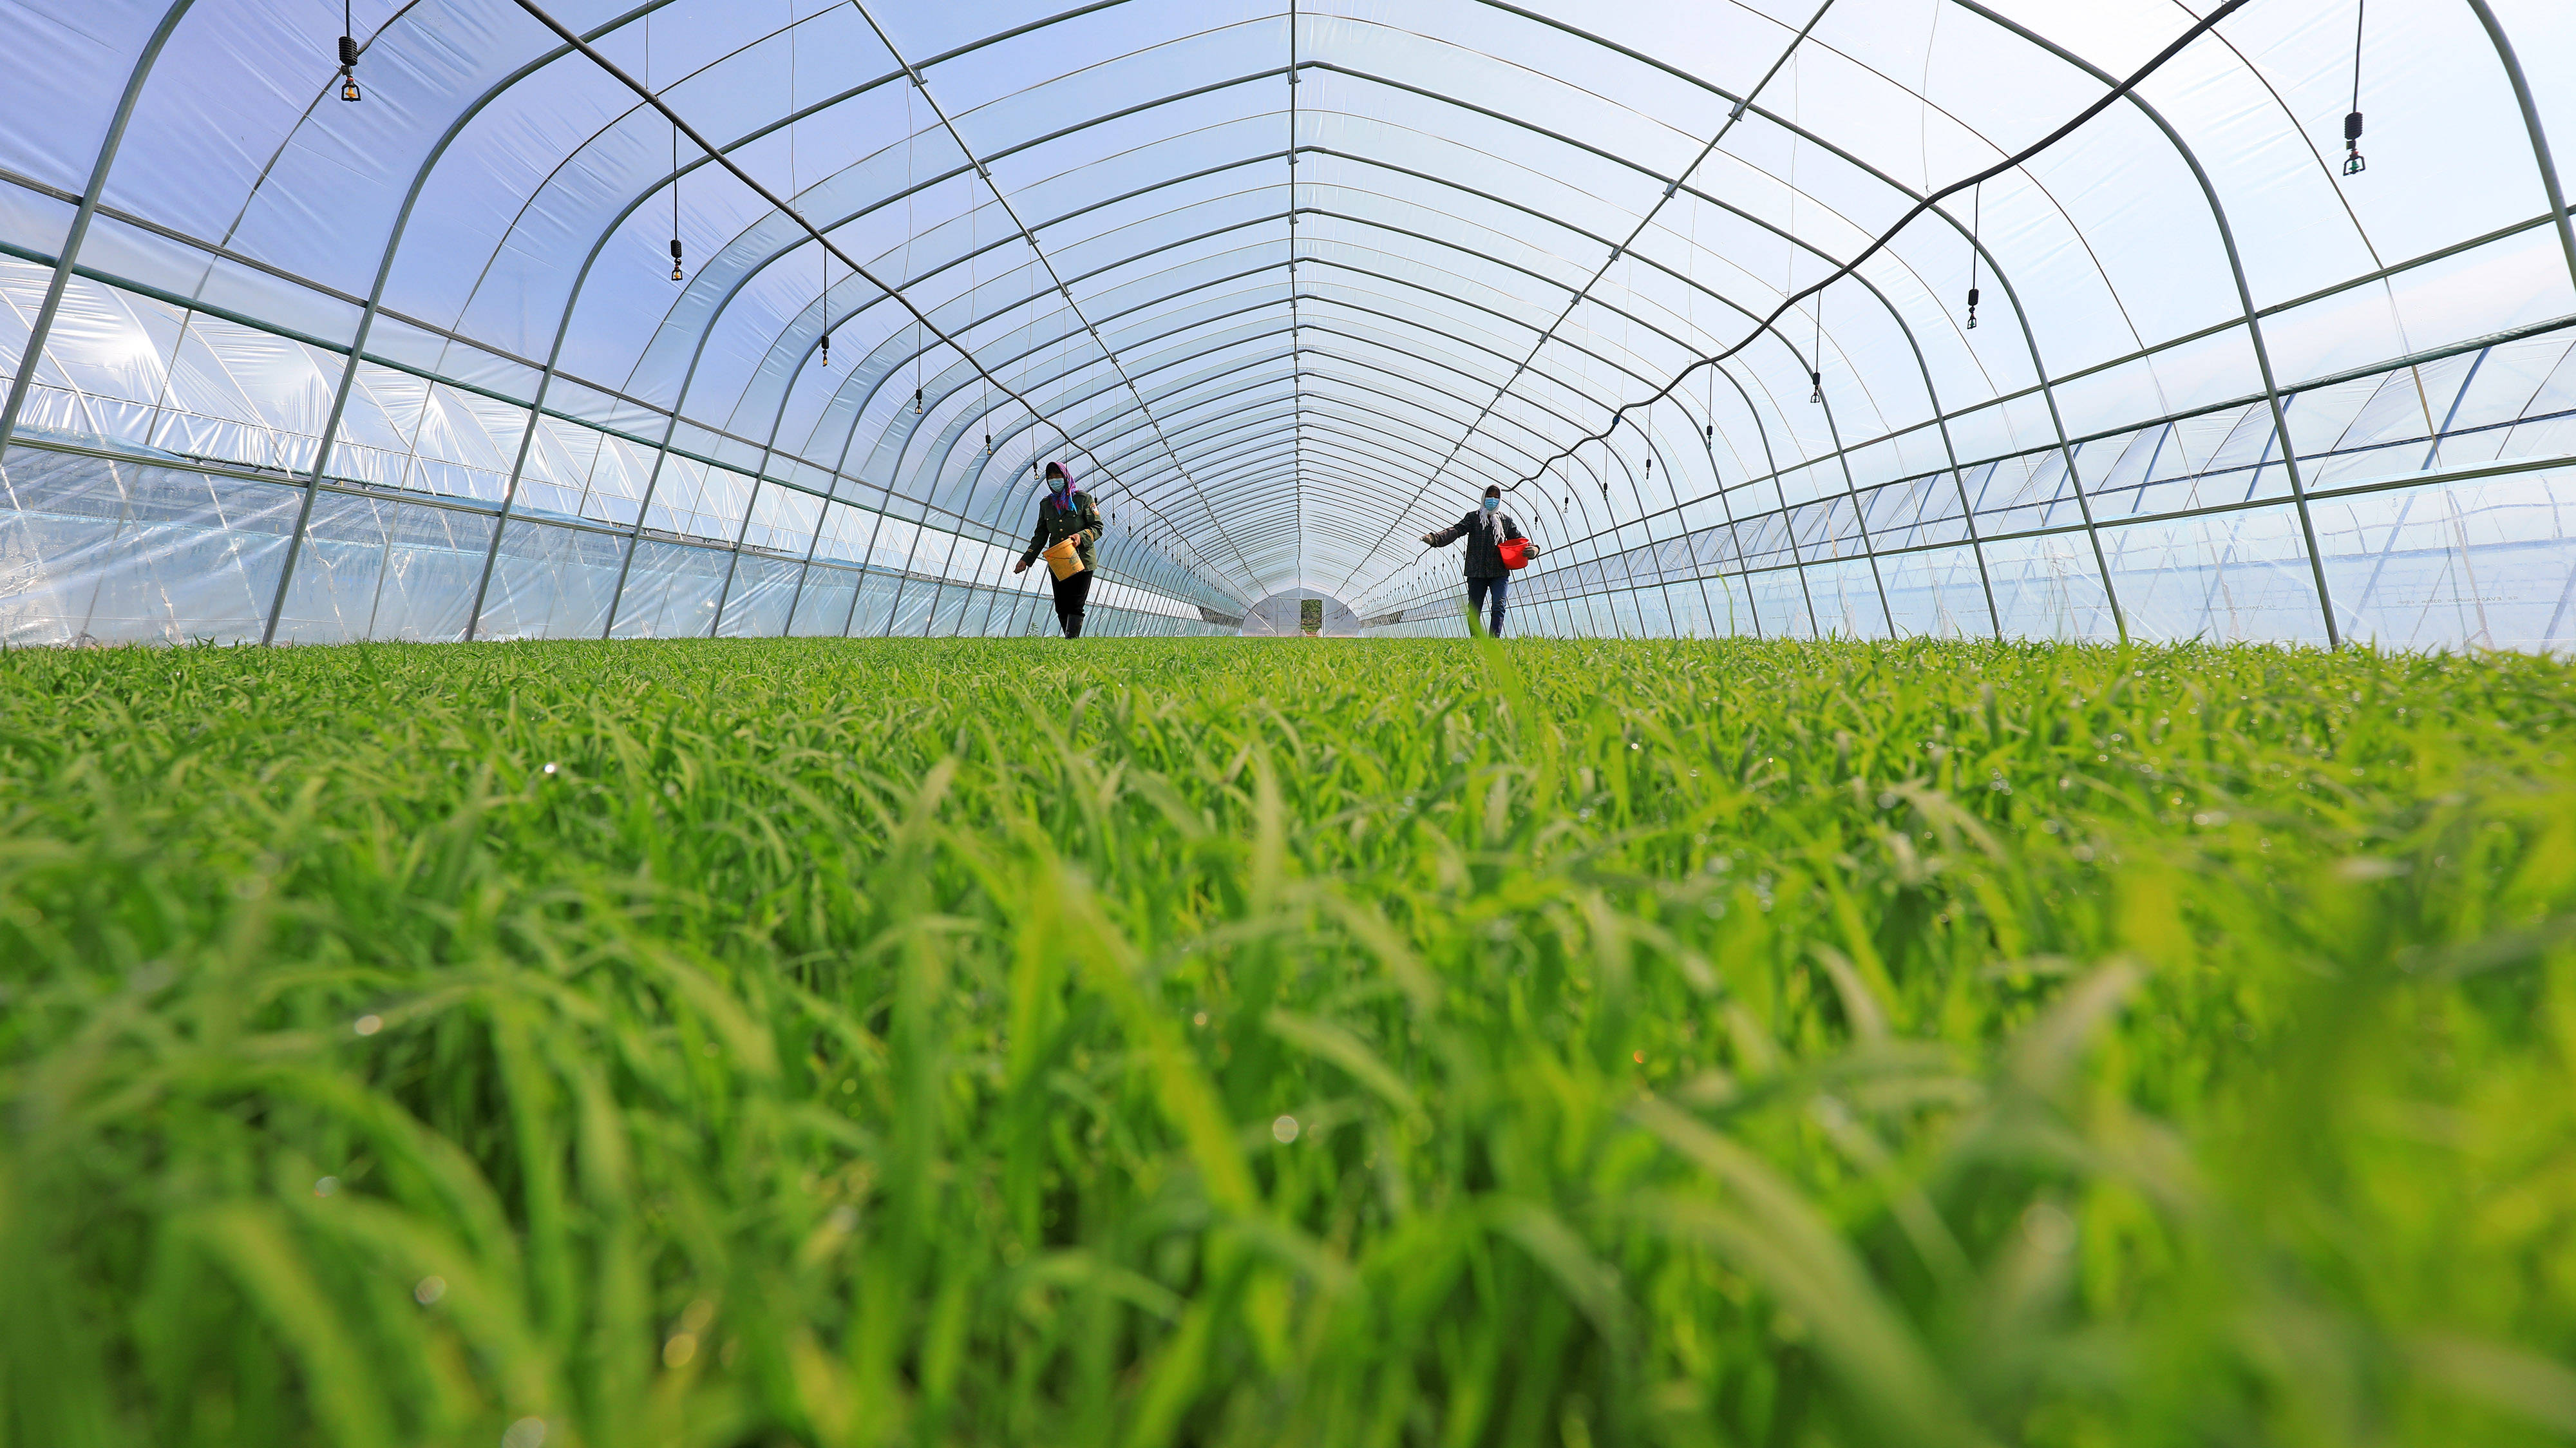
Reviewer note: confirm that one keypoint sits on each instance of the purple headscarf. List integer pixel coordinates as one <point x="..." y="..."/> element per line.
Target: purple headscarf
<point x="1061" y="489"/>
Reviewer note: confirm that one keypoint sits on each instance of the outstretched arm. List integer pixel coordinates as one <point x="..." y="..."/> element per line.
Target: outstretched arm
<point x="1450" y="534"/>
<point x="1037" y="541"/>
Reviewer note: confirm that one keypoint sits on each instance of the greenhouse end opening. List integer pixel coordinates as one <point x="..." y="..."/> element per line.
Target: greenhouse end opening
<point x="1424" y="724"/>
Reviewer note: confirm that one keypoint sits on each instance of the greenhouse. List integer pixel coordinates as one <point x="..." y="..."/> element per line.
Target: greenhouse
<point x="1870" y="320"/>
<point x="1411" y="724"/>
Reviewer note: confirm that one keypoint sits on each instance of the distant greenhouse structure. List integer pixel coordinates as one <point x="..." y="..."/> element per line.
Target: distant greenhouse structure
<point x="678" y="318"/>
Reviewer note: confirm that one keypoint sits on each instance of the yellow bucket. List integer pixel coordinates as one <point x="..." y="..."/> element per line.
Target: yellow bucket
<point x="1063" y="560"/>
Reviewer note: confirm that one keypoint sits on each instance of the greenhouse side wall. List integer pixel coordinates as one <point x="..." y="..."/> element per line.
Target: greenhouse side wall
<point x="152" y="490"/>
<point x="2456" y="536"/>
<point x="165" y="484"/>
<point x="100" y="550"/>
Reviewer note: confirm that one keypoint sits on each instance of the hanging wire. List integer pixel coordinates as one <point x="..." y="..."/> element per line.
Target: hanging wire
<point x="676" y="273"/>
<point x="1816" y="371"/>
<point x="795" y="182"/>
<point x="974" y="293"/>
<point x="911" y="135"/>
<point x="2353" y="165"/>
<point x="348" y="55"/>
<point x="825" y="301"/>
<point x="1976" y="224"/>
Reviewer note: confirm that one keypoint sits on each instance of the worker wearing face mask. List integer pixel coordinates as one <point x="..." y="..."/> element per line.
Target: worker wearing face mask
<point x="1068" y="537"/>
<point x="1489" y="573"/>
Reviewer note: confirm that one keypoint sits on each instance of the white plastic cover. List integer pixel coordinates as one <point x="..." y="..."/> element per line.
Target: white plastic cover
<point x="1294" y="284"/>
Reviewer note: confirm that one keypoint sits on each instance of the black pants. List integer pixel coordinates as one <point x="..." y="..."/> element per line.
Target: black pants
<point x="1069" y="594"/>
<point x="1477" y="589"/>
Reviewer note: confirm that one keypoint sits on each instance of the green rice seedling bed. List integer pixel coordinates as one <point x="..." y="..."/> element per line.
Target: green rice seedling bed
<point x="1338" y="1043"/>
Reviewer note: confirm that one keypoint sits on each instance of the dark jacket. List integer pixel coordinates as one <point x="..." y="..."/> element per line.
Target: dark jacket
<point x="1484" y="533"/>
<point x="1057" y="522"/>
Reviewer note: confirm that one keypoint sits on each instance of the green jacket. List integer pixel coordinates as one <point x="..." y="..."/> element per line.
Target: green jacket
<point x="1057" y="522"/>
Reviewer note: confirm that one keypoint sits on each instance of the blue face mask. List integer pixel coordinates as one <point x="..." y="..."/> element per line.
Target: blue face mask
<point x="1492" y="504"/>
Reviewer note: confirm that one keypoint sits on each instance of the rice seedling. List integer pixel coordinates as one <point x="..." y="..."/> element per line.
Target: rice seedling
<point x="995" y="1042"/>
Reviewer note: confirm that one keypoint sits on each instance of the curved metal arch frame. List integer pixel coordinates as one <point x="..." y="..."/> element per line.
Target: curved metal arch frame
<point x="1372" y="368"/>
<point x="1724" y="495"/>
<point x="1272" y="380"/>
<point x="1354" y="220"/>
<point x="1392" y="318"/>
<point x="1338" y="301"/>
<point x="1446" y="296"/>
<point x="31" y="353"/>
<point x="1014" y="148"/>
<point x="1394" y="398"/>
<point x="2253" y="331"/>
<point x="1036" y="248"/>
<point x="375" y="299"/>
<point x="1172" y="296"/>
<point x="1350" y="432"/>
<point x="2122" y="91"/>
<point x="1357" y="435"/>
<point x="1643" y="222"/>
<point x="957" y="172"/>
<point x="1006" y="308"/>
<point x="366" y="324"/>
<point x="2045" y="381"/>
<point x="1398" y="399"/>
<point x="937" y="453"/>
<point x="921" y="318"/>
<point x="1088" y="122"/>
<point x="1894" y="312"/>
<point x="839" y="469"/>
<point x="1226" y="446"/>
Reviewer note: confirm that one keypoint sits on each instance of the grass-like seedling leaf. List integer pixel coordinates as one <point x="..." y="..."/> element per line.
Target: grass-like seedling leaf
<point x="732" y="1044"/>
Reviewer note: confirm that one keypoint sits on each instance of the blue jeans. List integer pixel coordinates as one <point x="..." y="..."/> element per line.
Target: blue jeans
<point x="1477" y="589"/>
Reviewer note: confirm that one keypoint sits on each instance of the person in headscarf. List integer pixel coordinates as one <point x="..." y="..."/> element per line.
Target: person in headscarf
<point x="1484" y="529"/>
<point x="1065" y="511"/>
